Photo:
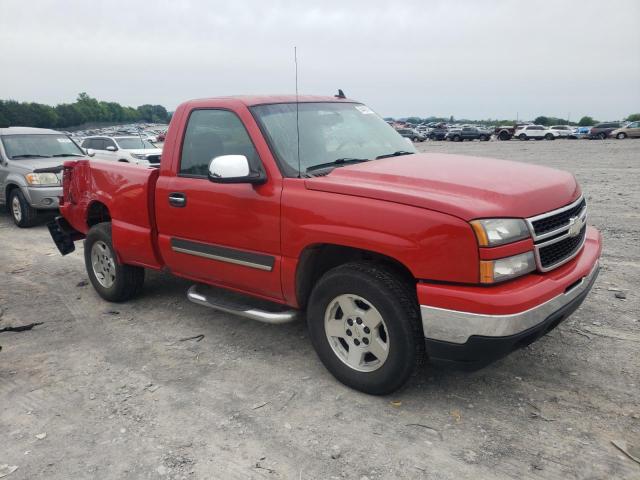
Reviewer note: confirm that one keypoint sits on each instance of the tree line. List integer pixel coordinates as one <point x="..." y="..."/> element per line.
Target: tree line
<point x="585" y="121"/>
<point x="85" y="109"/>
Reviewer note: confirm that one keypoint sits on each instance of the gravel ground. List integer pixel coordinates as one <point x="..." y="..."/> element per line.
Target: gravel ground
<point x="120" y="395"/>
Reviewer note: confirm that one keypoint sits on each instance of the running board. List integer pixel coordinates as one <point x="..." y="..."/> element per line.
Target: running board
<point x="232" y="304"/>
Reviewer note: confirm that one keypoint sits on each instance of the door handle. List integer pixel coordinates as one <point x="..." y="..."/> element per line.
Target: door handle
<point x="177" y="199"/>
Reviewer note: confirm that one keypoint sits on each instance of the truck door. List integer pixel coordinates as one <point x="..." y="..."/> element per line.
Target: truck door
<point x="217" y="233"/>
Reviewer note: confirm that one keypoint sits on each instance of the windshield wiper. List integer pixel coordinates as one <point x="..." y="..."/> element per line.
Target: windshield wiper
<point x="394" y="154"/>
<point x="30" y="155"/>
<point x="338" y="161"/>
<point x="67" y="155"/>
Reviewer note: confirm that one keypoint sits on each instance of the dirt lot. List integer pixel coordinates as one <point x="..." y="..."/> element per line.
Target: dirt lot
<point x="119" y="395"/>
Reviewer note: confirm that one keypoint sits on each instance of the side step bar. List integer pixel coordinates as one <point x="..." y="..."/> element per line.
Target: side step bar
<point x="197" y="295"/>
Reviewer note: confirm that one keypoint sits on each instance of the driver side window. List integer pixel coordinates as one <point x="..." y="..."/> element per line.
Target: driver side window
<point x="210" y="134"/>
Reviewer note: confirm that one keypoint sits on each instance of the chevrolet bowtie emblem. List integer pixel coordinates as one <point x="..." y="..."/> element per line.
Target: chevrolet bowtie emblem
<point x="575" y="226"/>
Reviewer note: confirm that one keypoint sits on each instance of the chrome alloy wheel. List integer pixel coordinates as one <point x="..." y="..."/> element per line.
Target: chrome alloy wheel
<point x="16" y="209"/>
<point x="104" y="266"/>
<point x="356" y="332"/>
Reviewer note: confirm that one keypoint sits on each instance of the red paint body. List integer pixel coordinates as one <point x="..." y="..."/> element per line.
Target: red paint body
<point x="414" y="209"/>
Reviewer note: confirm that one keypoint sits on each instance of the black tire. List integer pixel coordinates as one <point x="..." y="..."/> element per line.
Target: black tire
<point x="602" y="136"/>
<point x="128" y="280"/>
<point x="28" y="215"/>
<point x="456" y="138"/>
<point x="522" y="136"/>
<point x="415" y="139"/>
<point x="396" y="302"/>
<point x="123" y="160"/>
<point x="484" y="138"/>
<point x="549" y="136"/>
<point x="621" y="136"/>
<point x="504" y="136"/>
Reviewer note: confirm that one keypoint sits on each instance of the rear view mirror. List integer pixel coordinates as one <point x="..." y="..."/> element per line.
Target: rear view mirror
<point x="233" y="169"/>
<point x="90" y="152"/>
<point x="111" y="148"/>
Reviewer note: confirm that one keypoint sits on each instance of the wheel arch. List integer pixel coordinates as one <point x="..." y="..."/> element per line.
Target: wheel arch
<point x="97" y="212"/>
<point x="315" y="260"/>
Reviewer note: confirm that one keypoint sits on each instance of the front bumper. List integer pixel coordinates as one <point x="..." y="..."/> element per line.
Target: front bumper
<point x="502" y="318"/>
<point x="43" y="198"/>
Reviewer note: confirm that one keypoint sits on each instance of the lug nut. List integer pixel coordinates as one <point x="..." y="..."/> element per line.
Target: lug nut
<point x="348" y="332"/>
<point x="366" y="330"/>
<point x="350" y="321"/>
<point x="357" y="342"/>
<point x="365" y="341"/>
<point x="359" y="321"/>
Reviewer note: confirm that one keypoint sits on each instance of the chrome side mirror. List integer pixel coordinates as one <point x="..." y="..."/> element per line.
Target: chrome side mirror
<point x="90" y="152"/>
<point x="233" y="169"/>
<point x="111" y="148"/>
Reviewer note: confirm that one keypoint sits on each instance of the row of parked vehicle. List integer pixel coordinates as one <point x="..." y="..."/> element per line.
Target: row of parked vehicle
<point x="523" y="131"/>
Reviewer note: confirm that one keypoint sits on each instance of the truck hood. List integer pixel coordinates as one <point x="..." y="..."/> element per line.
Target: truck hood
<point x="31" y="164"/>
<point x="147" y="151"/>
<point x="467" y="187"/>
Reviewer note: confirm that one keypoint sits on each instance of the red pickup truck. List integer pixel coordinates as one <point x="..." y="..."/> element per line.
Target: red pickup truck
<point x="316" y="205"/>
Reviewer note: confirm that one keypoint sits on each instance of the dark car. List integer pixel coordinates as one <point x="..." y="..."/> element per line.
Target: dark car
<point x="439" y="132"/>
<point x="603" y="130"/>
<point x="412" y="134"/>
<point x="468" y="133"/>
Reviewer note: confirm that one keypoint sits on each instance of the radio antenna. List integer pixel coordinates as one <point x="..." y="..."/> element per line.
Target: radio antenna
<point x="295" y="60"/>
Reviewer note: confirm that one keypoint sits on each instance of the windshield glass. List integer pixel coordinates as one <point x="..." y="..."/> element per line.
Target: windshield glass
<point x="328" y="132"/>
<point x="39" y="145"/>
<point x="134" y="143"/>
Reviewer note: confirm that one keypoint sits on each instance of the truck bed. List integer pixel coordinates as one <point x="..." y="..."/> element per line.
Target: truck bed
<point x="127" y="193"/>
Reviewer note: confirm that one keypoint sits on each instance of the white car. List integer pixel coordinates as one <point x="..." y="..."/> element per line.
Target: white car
<point x="127" y="149"/>
<point x="539" y="132"/>
<point x="563" y="131"/>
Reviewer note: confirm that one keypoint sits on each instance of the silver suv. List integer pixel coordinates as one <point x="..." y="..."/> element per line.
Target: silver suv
<point x="30" y="166"/>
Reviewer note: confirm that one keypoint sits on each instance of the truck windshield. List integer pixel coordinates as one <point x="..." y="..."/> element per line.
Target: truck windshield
<point x="328" y="132"/>
<point x="39" y="145"/>
<point x="134" y="143"/>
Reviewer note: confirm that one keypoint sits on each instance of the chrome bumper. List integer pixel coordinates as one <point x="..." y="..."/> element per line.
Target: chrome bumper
<point x="456" y="327"/>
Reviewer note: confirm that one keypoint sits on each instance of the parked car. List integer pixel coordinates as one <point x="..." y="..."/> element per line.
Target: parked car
<point x="394" y="256"/>
<point x="603" y="130"/>
<point x="537" y="132"/>
<point x="506" y="132"/>
<point x="468" y="133"/>
<point x="631" y="130"/>
<point x="29" y="161"/>
<point x="439" y="132"/>
<point x="563" y="131"/>
<point x="582" y="132"/>
<point x="127" y="149"/>
<point x="412" y="134"/>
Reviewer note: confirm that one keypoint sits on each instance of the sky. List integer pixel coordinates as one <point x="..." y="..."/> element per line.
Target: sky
<point x="470" y="59"/>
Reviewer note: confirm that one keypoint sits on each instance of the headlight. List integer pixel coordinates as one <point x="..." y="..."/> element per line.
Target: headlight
<point x="139" y="156"/>
<point x="498" y="231"/>
<point x="42" y="179"/>
<point x="494" y="271"/>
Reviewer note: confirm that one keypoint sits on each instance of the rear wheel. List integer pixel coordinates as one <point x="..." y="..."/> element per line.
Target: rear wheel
<point x="364" y="323"/>
<point x="504" y="136"/>
<point x="23" y="214"/>
<point x="114" y="281"/>
<point x="457" y="138"/>
<point x="484" y="138"/>
<point x="602" y="136"/>
<point x="621" y="136"/>
<point x="549" y="136"/>
<point x="522" y="136"/>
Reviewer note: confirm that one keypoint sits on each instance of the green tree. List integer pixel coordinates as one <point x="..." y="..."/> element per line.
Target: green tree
<point x="634" y="117"/>
<point x="542" y="121"/>
<point x="586" y="121"/>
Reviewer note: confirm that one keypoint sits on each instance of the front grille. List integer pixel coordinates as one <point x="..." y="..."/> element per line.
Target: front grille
<point x="555" y="253"/>
<point x="559" y="220"/>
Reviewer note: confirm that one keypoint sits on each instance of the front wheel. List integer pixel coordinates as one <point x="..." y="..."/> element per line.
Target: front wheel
<point x="602" y="136"/>
<point x="23" y="214"/>
<point x="364" y="324"/>
<point x="522" y="136"/>
<point x="621" y="136"/>
<point x="114" y="281"/>
<point x="549" y="136"/>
